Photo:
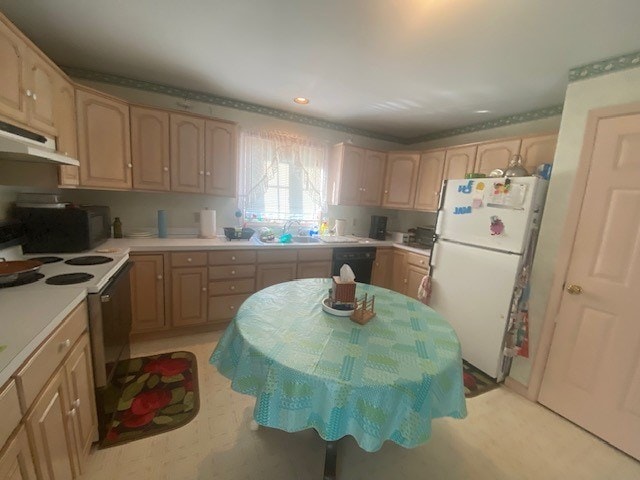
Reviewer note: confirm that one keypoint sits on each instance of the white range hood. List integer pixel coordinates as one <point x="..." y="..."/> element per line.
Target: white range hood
<point x="18" y="147"/>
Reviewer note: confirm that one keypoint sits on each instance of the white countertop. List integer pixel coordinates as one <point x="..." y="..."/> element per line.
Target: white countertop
<point x="29" y="313"/>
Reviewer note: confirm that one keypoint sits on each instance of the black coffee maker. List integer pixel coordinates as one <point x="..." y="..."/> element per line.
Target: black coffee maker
<point x="378" y="229"/>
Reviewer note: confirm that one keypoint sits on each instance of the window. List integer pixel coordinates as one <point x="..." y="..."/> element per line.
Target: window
<point x="282" y="177"/>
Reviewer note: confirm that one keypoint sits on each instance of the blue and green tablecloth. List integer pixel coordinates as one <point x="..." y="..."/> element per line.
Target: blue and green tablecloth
<point x="381" y="381"/>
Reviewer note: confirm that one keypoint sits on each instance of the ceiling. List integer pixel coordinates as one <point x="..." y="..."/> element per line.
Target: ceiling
<point x="405" y="68"/>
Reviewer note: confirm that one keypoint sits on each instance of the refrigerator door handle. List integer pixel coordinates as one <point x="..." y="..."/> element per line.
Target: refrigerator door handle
<point x="432" y="257"/>
<point x="440" y="211"/>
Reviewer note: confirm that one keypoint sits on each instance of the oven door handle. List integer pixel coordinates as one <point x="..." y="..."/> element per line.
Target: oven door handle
<point x="107" y="291"/>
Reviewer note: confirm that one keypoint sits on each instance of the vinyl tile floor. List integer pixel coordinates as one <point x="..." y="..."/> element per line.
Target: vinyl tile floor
<point x="503" y="437"/>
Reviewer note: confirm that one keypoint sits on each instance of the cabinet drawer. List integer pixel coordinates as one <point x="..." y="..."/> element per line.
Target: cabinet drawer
<point x="277" y="256"/>
<point x="33" y="375"/>
<point x="314" y="254"/>
<point x="189" y="259"/>
<point x="231" y="257"/>
<point x="228" y="287"/>
<point x="418" y="260"/>
<point x="10" y="408"/>
<point x="231" y="271"/>
<point x="225" y="308"/>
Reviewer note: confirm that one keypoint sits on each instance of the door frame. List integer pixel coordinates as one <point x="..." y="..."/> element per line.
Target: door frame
<point x="565" y="248"/>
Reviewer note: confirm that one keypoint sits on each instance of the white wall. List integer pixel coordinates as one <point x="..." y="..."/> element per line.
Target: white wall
<point x="582" y="96"/>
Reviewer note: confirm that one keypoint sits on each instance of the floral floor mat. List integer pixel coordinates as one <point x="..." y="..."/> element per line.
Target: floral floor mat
<point x="156" y="394"/>
<point x="475" y="381"/>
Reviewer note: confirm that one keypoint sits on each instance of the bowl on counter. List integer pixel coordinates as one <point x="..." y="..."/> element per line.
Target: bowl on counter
<point x="233" y="233"/>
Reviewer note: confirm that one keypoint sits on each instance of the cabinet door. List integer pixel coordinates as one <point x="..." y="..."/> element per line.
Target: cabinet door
<point x="187" y="153"/>
<point x="41" y="81"/>
<point x="400" y="181"/>
<point x="64" y="111"/>
<point x="147" y="293"/>
<point x="538" y="150"/>
<point x="429" y="181"/>
<point x="189" y="296"/>
<point x="80" y="377"/>
<point x="414" y="278"/>
<point x="16" y="462"/>
<point x="458" y="162"/>
<point x="104" y="147"/>
<point x="13" y="99"/>
<point x="314" y="270"/>
<point x="495" y="155"/>
<point x="351" y="175"/>
<point x="221" y="158"/>
<point x="50" y="430"/>
<point x="372" y="177"/>
<point x="150" y="149"/>
<point x="271" y="274"/>
<point x="399" y="272"/>
<point x="382" y="272"/>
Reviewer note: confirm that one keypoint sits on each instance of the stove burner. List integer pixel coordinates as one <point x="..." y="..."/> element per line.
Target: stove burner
<point x="24" y="280"/>
<point x="69" y="278"/>
<point x="46" y="260"/>
<point x="89" y="260"/>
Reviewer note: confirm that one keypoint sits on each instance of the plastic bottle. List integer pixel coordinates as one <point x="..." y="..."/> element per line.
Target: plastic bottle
<point x="117" y="228"/>
<point x="324" y="228"/>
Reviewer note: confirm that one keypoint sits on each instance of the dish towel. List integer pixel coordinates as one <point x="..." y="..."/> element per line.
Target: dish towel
<point x="424" y="290"/>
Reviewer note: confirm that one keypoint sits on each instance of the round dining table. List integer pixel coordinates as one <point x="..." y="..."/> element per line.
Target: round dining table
<point x="384" y="380"/>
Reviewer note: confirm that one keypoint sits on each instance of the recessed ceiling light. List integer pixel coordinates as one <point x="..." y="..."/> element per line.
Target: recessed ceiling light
<point x="482" y="111"/>
<point x="301" y="100"/>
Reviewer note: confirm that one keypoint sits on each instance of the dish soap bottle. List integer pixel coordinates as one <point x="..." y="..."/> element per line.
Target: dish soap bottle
<point x="117" y="228"/>
<point x="324" y="228"/>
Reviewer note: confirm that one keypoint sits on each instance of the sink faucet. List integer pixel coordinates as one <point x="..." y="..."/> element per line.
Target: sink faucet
<point x="288" y="224"/>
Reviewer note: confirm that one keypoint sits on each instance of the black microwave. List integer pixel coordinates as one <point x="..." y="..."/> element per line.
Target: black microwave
<point x="64" y="230"/>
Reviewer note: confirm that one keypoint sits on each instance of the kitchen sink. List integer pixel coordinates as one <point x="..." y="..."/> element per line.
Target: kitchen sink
<point x="304" y="239"/>
<point x="296" y="239"/>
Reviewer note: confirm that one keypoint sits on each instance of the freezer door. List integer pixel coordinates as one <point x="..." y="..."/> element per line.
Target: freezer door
<point x="488" y="212"/>
<point x="472" y="290"/>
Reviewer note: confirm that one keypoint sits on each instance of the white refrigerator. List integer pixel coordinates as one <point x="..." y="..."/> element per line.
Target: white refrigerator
<point x="485" y="239"/>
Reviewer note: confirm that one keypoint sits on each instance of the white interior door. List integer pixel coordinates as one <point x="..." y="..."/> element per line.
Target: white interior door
<point x="472" y="290"/>
<point x="593" y="372"/>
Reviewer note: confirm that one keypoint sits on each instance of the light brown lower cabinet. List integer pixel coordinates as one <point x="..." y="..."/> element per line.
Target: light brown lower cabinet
<point x="148" y="293"/>
<point x="271" y="274"/>
<point x="51" y="432"/>
<point x="414" y="278"/>
<point x="409" y="269"/>
<point x="382" y="272"/>
<point x="321" y="269"/>
<point x="16" y="462"/>
<point x="189" y="296"/>
<point x="399" y="282"/>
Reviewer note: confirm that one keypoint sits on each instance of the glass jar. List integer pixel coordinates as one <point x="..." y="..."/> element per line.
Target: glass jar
<point x="516" y="168"/>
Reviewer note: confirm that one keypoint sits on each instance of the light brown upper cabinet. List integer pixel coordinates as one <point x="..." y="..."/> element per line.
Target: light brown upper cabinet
<point x="187" y="153"/>
<point x="40" y="78"/>
<point x="429" y="180"/>
<point x="64" y="111"/>
<point x="13" y="100"/>
<point x="538" y="150"/>
<point x="356" y="175"/>
<point x="496" y="155"/>
<point x="150" y="149"/>
<point x="400" y="179"/>
<point x="458" y="162"/>
<point x="220" y="158"/>
<point x="103" y="141"/>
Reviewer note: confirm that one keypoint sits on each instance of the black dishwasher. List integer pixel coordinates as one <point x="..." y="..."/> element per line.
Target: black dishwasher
<point x="360" y="259"/>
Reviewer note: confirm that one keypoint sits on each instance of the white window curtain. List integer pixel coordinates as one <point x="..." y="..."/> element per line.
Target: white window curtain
<point x="282" y="177"/>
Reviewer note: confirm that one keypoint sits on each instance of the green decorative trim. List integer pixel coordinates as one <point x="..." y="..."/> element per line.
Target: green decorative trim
<point x="602" y="67"/>
<point x="304" y="119"/>
<point x="224" y="102"/>
<point x="498" y="122"/>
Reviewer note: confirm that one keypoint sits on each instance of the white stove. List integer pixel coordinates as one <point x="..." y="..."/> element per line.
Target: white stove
<point x="101" y="273"/>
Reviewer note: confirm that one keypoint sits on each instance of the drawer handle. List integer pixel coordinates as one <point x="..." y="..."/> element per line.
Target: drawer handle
<point x="65" y="344"/>
<point x="189" y="259"/>
<point x="232" y="287"/>
<point x="233" y="272"/>
<point x="72" y="412"/>
<point x="233" y="257"/>
<point x="76" y="403"/>
<point x="421" y="262"/>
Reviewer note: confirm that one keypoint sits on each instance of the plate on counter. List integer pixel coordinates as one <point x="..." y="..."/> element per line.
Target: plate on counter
<point x="326" y="306"/>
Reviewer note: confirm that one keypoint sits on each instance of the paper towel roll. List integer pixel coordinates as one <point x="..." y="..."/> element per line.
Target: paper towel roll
<point x="207" y="223"/>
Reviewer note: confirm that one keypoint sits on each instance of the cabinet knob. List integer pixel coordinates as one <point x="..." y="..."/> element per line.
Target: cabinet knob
<point x="72" y="412"/>
<point x="233" y="272"/>
<point x="201" y="172"/>
<point x="574" y="289"/>
<point x="129" y="165"/>
<point x="76" y="403"/>
<point x="66" y="154"/>
<point x="34" y="96"/>
<point x="421" y="262"/>
<point x="404" y="280"/>
<point x="65" y="344"/>
<point x="208" y="174"/>
<point x="159" y="277"/>
<point x="232" y="287"/>
<point x="233" y="257"/>
<point x="189" y="259"/>
<point x="28" y="93"/>
<point x="231" y="307"/>
<point x="166" y="169"/>
<point x="386" y="192"/>
<point x="204" y="289"/>
<point x="364" y="189"/>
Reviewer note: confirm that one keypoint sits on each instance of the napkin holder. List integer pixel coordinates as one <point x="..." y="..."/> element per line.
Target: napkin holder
<point x="363" y="310"/>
